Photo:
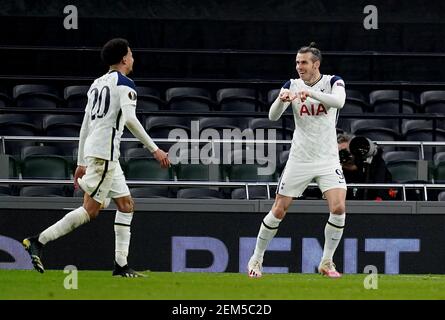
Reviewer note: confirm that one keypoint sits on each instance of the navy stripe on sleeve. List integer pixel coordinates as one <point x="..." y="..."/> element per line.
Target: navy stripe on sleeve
<point x="124" y="81"/>
<point x="287" y="85"/>
<point x="334" y="79"/>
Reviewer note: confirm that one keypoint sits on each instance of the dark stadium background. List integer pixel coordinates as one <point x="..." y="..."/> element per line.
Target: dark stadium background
<point x="223" y="44"/>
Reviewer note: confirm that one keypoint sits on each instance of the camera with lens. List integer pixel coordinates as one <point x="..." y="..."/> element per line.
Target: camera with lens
<point x="362" y="162"/>
<point x="362" y="148"/>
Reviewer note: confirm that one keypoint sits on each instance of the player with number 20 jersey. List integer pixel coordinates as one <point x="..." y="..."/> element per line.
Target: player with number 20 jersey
<point x="111" y="106"/>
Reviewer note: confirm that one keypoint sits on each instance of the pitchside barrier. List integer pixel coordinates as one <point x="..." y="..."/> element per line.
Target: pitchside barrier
<point x="218" y="235"/>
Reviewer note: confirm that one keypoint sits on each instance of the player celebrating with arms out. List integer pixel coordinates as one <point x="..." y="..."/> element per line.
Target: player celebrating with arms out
<point x="316" y="100"/>
<point x="111" y="106"/>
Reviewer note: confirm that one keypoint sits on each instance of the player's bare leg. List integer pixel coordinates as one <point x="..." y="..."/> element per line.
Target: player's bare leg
<point x="268" y="229"/>
<point x="333" y="231"/>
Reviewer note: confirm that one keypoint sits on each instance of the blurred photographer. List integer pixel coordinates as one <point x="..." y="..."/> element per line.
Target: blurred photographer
<point x="362" y="162"/>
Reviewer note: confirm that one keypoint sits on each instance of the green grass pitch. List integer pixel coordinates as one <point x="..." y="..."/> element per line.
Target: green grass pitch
<point x="30" y="285"/>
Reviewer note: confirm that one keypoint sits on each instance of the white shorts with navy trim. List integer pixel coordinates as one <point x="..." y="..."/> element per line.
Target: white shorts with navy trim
<point x="296" y="177"/>
<point x="104" y="179"/>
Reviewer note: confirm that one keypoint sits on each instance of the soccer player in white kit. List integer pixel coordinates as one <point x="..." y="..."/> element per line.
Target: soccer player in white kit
<point x="111" y="106"/>
<point x="316" y="100"/>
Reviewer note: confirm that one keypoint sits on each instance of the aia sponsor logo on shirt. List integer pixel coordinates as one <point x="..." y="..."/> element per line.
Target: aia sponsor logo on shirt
<point x="312" y="110"/>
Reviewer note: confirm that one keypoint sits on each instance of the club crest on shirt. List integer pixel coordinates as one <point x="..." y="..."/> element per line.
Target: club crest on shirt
<point x="132" y="95"/>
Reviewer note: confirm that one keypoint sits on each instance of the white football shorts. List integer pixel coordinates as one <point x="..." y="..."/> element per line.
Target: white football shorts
<point x="103" y="179"/>
<point x="296" y="177"/>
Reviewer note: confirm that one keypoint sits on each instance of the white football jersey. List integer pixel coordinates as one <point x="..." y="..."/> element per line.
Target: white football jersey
<point x="315" y="136"/>
<point x="105" y="125"/>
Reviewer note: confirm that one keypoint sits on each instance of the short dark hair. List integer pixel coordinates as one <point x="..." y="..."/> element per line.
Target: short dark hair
<point x="316" y="53"/>
<point x="114" y="50"/>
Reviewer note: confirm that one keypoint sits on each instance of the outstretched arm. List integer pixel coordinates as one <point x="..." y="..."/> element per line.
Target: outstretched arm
<point x="81" y="163"/>
<point x="135" y="127"/>
<point x="82" y="137"/>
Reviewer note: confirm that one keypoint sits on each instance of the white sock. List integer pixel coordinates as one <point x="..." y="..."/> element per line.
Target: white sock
<point x="332" y="233"/>
<point x="122" y="232"/>
<point x="68" y="223"/>
<point x="268" y="230"/>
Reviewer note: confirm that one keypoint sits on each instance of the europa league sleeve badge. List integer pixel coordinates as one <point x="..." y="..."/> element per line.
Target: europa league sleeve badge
<point x="132" y="95"/>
